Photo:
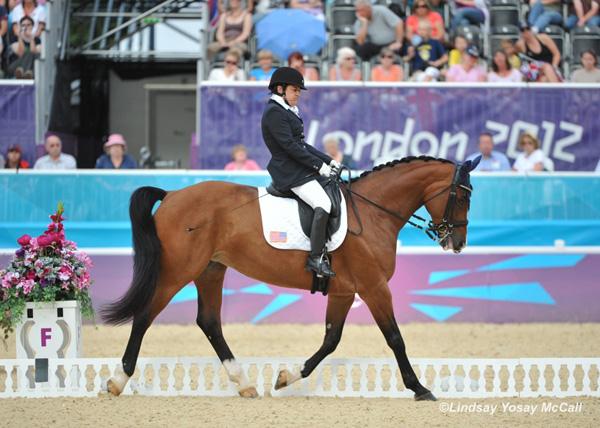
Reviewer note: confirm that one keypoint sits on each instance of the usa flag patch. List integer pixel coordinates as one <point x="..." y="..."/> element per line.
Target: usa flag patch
<point x="278" y="237"/>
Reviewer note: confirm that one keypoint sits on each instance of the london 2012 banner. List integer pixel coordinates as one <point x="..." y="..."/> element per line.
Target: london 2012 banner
<point x="378" y="123"/>
<point x="17" y="118"/>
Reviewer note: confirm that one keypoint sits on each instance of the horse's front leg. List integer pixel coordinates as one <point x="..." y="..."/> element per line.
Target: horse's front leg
<point x="379" y="301"/>
<point x="210" y="297"/>
<point x="337" y="310"/>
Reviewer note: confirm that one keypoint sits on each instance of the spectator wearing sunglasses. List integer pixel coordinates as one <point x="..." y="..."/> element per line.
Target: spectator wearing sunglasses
<point x="345" y="69"/>
<point x="387" y="71"/>
<point x="424" y="12"/>
<point x="231" y="71"/>
<point x="532" y="157"/>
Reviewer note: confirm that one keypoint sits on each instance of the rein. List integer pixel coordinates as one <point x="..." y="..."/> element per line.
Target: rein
<point x="436" y="232"/>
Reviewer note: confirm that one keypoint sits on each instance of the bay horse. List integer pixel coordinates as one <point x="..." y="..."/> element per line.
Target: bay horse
<point x="168" y="255"/>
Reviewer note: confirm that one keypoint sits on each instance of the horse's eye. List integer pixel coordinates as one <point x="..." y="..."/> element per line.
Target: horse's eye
<point x="461" y="202"/>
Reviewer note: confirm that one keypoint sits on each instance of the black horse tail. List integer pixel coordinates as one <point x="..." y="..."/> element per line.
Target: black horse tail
<point x="146" y="259"/>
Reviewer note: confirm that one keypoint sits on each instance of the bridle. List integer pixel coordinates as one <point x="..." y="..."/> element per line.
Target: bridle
<point x="437" y="232"/>
<point x="444" y="229"/>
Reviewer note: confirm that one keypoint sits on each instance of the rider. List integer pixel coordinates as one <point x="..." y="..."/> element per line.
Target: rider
<point x="296" y="165"/>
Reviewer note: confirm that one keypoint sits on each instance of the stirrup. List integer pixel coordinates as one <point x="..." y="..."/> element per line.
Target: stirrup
<point x="325" y="267"/>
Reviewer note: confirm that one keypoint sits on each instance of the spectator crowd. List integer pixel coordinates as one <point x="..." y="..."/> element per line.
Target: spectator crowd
<point x="467" y="41"/>
<point x="424" y="40"/>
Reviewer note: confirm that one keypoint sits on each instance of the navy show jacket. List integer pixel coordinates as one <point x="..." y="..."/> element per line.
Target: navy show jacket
<point x="292" y="159"/>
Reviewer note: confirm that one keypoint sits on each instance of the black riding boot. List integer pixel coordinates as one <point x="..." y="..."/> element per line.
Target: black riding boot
<point x="317" y="244"/>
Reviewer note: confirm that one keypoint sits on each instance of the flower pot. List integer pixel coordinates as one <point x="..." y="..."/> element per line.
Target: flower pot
<point x="50" y="330"/>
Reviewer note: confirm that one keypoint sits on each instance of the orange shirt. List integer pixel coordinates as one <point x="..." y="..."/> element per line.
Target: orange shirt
<point x="413" y="22"/>
<point x="379" y="76"/>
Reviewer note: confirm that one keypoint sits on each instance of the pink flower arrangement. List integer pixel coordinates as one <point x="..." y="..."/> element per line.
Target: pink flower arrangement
<point x="45" y="269"/>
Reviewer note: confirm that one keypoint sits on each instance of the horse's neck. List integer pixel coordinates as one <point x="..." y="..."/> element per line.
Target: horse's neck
<point x="402" y="188"/>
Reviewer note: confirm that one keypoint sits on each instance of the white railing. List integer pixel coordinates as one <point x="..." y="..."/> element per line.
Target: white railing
<point x="524" y="377"/>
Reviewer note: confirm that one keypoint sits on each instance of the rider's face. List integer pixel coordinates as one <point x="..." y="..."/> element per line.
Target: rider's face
<point x="292" y="94"/>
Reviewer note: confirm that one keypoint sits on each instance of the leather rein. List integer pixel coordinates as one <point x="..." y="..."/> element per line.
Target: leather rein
<point x="436" y="232"/>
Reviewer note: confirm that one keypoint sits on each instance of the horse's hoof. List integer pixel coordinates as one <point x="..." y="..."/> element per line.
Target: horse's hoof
<point x="249" y="392"/>
<point x="112" y="387"/>
<point x="428" y="396"/>
<point x="282" y="379"/>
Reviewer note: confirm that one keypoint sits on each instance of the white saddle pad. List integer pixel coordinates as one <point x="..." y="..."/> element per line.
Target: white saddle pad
<point x="281" y="223"/>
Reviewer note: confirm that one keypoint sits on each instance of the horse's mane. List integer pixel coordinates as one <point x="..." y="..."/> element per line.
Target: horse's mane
<point x="398" y="161"/>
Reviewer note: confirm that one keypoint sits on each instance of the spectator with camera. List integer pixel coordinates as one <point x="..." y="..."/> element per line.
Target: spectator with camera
<point x="25" y="50"/>
<point x="36" y="12"/>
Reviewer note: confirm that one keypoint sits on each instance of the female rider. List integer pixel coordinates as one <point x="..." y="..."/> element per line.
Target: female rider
<point x="296" y="165"/>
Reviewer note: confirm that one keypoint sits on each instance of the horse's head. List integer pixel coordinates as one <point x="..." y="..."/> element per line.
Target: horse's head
<point x="448" y="208"/>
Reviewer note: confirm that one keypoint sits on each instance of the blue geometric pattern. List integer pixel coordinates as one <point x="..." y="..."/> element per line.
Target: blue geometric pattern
<point x="437" y="312"/>
<point x="527" y="292"/>
<point x="536" y="261"/>
<point x="277" y="304"/>
<point x="261" y="288"/>
<point x="190" y="292"/>
<point x="444" y="275"/>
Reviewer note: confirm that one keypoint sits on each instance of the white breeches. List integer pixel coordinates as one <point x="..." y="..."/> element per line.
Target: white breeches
<point x="313" y="194"/>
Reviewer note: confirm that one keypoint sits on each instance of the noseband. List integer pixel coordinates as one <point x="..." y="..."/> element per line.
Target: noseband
<point x="437" y="232"/>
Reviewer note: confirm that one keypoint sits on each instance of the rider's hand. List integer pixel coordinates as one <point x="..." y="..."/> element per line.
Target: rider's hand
<point x="325" y="170"/>
<point x="335" y="164"/>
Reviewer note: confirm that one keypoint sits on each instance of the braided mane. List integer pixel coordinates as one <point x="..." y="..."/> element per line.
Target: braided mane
<point x="398" y="161"/>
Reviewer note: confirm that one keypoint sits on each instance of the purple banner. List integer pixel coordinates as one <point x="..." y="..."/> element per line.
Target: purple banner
<point x="377" y="123"/>
<point x="466" y="288"/>
<point x="17" y="119"/>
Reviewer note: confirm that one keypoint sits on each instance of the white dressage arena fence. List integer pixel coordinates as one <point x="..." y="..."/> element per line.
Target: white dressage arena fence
<point x="335" y="377"/>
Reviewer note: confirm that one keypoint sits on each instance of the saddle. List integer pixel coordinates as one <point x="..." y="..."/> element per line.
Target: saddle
<point x="306" y="213"/>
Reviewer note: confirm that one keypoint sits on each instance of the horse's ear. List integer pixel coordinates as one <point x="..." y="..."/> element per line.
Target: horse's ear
<point x="471" y="165"/>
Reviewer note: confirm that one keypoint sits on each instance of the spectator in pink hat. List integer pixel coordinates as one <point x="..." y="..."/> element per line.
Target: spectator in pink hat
<point x="115" y="157"/>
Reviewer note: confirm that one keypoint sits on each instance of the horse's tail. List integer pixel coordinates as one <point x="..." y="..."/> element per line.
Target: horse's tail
<point x="146" y="259"/>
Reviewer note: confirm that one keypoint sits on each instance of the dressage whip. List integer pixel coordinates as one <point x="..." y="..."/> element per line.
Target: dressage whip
<point x="191" y="229"/>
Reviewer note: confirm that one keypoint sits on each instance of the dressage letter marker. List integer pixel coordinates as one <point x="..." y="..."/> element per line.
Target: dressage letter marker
<point x="46" y="335"/>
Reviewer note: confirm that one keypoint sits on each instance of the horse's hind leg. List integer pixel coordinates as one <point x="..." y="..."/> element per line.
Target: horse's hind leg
<point x="337" y="310"/>
<point x="163" y="295"/>
<point x="380" y="305"/>
<point x="210" y="297"/>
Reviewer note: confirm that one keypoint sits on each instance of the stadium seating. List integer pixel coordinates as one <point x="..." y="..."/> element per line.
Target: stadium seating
<point x="253" y="63"/>
<point x="342" y="12"/>
<point x="473" y="35"/>
<point x="558" y="35"/>
<point x="584" y="39"/>
<point x="505" y="12"/>
<point x="497" y="34"/>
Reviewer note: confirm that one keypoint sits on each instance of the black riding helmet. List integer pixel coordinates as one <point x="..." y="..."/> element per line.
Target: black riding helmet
<point x="286" y="76"/>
